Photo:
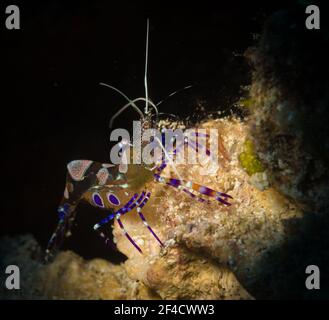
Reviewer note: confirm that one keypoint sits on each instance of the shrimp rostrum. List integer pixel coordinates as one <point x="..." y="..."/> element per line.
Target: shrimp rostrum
<point x="119" y="189"/>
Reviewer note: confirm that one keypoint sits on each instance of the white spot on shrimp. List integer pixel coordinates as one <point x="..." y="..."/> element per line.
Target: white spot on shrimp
<point x="77" y="168"/>
<point x="102" y="176"/>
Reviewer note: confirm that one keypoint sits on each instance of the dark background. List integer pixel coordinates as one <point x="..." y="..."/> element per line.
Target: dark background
<point x="54" y="111"/>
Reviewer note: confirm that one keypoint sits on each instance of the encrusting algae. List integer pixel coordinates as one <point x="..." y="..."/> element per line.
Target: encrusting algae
<point x="249" y="160"/>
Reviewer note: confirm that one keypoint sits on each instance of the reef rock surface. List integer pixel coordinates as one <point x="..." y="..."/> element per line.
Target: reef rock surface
<point x="201" y="236"/>
<point x="68" y="277"/>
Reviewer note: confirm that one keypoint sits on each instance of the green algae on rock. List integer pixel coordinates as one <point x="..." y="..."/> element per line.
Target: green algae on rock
<point x="249" y="160"/>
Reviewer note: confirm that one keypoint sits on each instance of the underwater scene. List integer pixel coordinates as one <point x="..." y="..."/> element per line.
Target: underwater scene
<point x="157" y="151"/>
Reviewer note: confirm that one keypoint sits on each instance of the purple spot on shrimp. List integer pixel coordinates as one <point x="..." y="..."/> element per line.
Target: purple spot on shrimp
<point x="206" y="191"/>
<point x="98" y="200"/>
<point x="156" y="177"/>
<point x="163" y="165"/>
<point x="113" y="199"/>
<point x="175" y="182"/>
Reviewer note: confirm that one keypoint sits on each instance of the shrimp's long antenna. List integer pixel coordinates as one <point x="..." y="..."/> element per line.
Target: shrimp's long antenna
<point x="150" y="103"/>
<point x="173" y="93"/>
<point x="130" y="103"/>
<point x="146" y="62"/>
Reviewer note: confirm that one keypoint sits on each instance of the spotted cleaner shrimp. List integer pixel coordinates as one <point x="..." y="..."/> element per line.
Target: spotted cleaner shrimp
<point x="108" y="187"/>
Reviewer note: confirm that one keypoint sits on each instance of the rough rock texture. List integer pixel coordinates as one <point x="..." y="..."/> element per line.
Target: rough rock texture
<point x="68" y="277"/>
<point x="237" y="238"/>
<point x="288" y="122"/>
<point x="289" y="105"/>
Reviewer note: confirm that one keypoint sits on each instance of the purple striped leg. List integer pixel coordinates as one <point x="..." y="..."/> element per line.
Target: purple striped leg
<point x="139" y="208"/>
<point x="123" y="210"/>
<point x="117" y="217"/>
<point x="192" y="144"/>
